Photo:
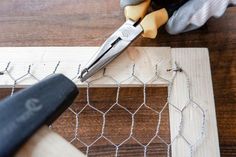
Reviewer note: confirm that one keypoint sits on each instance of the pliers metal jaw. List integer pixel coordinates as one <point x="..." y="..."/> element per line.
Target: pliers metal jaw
<point x="112" y="47"/>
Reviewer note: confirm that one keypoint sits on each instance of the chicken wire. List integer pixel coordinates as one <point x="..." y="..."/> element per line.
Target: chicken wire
<point x="117" y="107"/>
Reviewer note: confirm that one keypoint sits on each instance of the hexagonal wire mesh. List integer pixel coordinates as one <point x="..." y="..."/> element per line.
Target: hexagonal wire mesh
<point x="122" y="121"/>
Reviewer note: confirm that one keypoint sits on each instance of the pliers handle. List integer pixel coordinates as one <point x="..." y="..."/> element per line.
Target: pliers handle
<point x="151" y="22"/>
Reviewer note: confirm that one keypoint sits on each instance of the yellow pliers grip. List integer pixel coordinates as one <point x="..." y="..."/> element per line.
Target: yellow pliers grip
<point x="151" y="22"/>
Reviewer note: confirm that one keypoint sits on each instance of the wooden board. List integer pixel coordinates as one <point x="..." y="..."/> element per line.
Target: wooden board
<point x="199" y="97"/>
<point x="40" y="144"/>
<point x="44" y="60"/>
<point x="143" y="58"/>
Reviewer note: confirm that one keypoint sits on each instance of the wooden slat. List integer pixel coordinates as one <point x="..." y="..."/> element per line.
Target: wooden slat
<point x="45" y="59"/>
<point x="195" y="62"/>
<point x="48" y="144"/>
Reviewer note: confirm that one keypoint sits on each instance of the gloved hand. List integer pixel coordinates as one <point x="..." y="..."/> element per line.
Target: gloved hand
<point x="195" y="13"/>
<point x="192" y="15"/>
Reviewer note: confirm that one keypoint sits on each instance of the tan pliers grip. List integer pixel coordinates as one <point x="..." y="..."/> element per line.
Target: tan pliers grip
<point x="151" y="22"/>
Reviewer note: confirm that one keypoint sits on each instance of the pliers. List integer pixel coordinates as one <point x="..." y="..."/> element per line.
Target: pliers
<point x="136" y="24"/>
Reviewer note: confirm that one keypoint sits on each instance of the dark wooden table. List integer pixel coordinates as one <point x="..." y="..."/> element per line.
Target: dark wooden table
<point x="89" y="23"/>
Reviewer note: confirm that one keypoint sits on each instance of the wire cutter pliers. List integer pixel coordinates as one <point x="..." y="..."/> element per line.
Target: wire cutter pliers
<point x="136" y="24"/>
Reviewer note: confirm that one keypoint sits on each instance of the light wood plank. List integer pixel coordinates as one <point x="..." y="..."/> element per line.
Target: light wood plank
<point x="46" y="143"/>
<point x="45" y="59"/>
<point x="195" y="62"/>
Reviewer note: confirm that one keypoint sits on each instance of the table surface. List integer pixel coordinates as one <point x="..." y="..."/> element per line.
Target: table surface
<point x="89" y="23"/>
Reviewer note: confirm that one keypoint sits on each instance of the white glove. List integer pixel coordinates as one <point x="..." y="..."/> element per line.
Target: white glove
<point x="194" y="13"/>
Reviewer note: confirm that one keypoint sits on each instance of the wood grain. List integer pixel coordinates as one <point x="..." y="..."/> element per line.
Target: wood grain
<point x="118" y="121"/>
<point x="89" y="23"/>
<point x="70" y="60"/>
<point x="41" y="142"/>
<point x="196" y="102"/>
